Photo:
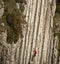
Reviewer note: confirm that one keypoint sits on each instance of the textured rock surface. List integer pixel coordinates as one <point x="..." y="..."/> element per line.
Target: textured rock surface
<point x="38" y="35"/>
<point x="1" y="8"/>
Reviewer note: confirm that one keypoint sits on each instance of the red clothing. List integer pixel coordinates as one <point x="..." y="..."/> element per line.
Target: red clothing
<point x="35" y="52"/>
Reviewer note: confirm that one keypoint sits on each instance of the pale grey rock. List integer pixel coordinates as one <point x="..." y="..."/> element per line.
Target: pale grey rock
<point x="38" y="35"/>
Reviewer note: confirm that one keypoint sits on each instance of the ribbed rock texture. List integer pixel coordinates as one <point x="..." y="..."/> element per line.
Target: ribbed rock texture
<point x="38" y="35"/>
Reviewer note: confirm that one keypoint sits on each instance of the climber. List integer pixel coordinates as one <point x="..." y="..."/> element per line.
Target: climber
<point x="34" y="55"/>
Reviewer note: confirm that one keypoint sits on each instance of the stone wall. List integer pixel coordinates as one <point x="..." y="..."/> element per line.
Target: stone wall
<point x="38" y="35"/>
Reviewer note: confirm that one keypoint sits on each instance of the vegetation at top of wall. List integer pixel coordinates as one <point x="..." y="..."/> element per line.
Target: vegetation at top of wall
<point x="13" y="19"/>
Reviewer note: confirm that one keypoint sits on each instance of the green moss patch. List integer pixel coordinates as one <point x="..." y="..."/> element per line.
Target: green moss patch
<point x="13" y="18"/>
